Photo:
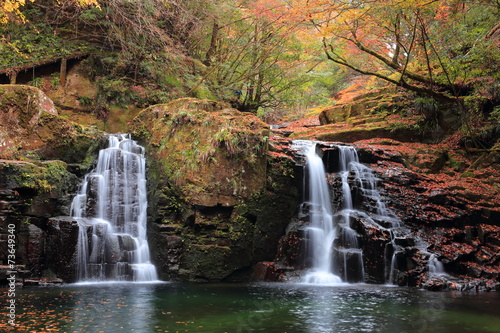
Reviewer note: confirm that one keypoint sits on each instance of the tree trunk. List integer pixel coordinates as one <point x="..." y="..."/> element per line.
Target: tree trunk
<point x="213" y="45"/>
<point x="62" y="72"/>
<point x="13" y="78"/>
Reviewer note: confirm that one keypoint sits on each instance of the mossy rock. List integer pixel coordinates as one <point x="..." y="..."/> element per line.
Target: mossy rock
<point x="67" y="141"/>
<point x="43" y="189"/>
<point x="363" y="105"/>
<point x="44" y="177"/>
<point x="433" y="160"/>
<point x="214" y="154"/>
<point x="210" y="174"/>
<point x="207" y="263"/>
<point x="31" y="129"/>
<point x="333" y="114"/>
<point x="22" y="106"/>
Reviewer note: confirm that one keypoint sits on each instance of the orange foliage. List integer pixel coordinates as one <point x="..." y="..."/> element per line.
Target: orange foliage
<point x="9" y="9"/>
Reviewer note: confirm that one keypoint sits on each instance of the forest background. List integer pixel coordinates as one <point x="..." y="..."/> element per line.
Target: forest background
<point x="279" y="59"/>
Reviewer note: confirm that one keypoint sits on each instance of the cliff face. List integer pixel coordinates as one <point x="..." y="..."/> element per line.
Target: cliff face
<point x="223" y="190"/>
<point x="450" y="199"/>
<point x="218" y="200"/>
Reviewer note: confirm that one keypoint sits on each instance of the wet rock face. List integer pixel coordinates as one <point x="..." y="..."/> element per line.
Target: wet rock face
<point x="454" y="213"/>
<point x="441" y="216"/>
<point x="219" y="200"/>
<point x="30" y="194"/>
<point x="61" y="238"/>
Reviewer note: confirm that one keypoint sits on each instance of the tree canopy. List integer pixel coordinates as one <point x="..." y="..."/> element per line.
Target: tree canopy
<point x="437" y="48"/>
<point x="264" y="55"/>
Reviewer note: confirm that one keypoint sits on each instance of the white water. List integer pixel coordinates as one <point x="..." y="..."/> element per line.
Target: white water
<point x="435" y="266"/>
<point x="334" y="252"/>
<point x="111" y="209"/>
<point x="322" y="232"/>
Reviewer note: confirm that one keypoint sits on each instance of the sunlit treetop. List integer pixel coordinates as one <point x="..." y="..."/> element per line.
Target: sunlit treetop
<point x="10" y="9"/>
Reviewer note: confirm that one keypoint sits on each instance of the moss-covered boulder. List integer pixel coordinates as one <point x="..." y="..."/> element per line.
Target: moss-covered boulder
<point x="365" y="104"/>
<point x="31" y="129"/>
<point x="31" y="193"/>
<point x="219" y="199"/>
<point x="23" y="105"/>
<point x="378" y="114"/>
<point x="214" y="154"/>
<point x="42" y="159"/>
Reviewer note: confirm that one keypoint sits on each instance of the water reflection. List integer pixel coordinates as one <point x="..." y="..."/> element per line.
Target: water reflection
<point x="124" y="307"/>
<point x="353" y="310"/>
<point x="369" y="308"/>
<point x="270" y="308"/>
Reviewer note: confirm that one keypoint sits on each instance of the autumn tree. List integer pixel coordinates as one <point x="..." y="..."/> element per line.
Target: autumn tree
<point x="11" y="10"/>
<point x="429" y="47"/>
<point x="253" y="57"/>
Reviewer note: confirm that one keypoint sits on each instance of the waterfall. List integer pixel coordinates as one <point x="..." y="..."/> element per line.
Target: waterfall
<point x="435" y="266"/>
<point x="334" y="254"/>
<point x="111" y="210"/>
<point x="321" y="231"/>
<point x="349" y="256"/>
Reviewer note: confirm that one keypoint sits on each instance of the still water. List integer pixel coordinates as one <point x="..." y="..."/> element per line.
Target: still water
<point x="180" y="307"/>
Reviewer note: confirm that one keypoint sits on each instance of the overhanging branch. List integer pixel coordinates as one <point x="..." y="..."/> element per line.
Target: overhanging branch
<point x="332" y="56"/>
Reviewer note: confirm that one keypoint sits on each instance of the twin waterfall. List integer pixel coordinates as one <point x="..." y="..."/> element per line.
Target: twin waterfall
<point x="111" y="210"/>
<point x="333" y="251"/>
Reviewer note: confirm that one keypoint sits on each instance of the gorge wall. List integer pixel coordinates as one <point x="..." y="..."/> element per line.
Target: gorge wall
<point x="455" y="224"/>
<point x="42" y="158"/>
<point x="223" y="189"/>
<point x="446" y="193"/>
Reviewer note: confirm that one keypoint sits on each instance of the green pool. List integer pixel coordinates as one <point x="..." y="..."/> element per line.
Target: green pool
<point x="262" y="307"/>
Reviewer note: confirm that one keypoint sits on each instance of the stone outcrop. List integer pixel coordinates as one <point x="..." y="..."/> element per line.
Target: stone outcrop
<point x="455" y="207"/>
<point x="211" y="152"/>
<point x="222" y="194"/>
<point x="42" y="158"/>
<point x="30" y="195"/>
<point x="373" y="102"/>
<point x="219" y="200"/>
<point x="442" y="184"/>
<point x="31" y="129"/>
<point x="375" y="115"/>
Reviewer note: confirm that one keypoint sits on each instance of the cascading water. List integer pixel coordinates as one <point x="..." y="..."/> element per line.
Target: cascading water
<point x="321" y="231"/>
<point x="380" y="215"/>
<point x="332" y="241"/>
<point x="111" y="210"/>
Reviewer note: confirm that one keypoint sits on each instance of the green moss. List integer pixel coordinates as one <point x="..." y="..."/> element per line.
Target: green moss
<point x="209" y="151"/>
<point x="203" y="92"/>
<point x="67" y="141"/>
<point x="208" y="262"/>
<point x="456" y="165"/>
<point x="24" y="100"/>
<point x="468" y="174"/>
<point x="45" y="177"/>
<point x="119" y="118"/>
